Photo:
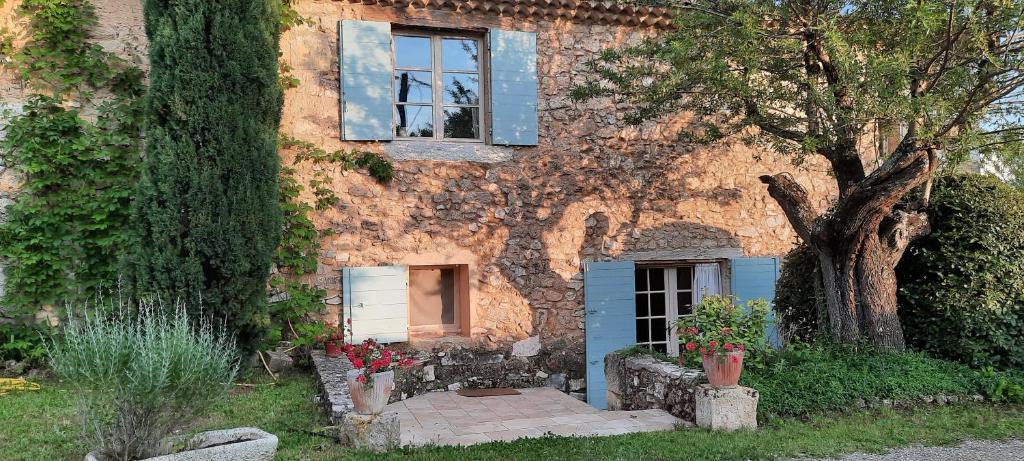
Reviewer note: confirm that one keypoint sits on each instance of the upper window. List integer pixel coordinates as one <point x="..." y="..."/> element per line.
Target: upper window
<point x="437" y="87"/>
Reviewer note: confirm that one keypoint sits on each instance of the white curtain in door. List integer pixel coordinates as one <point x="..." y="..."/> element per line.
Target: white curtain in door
<point x="707" y="281"/>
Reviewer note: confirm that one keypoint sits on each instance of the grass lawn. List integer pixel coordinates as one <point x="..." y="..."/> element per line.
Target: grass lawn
<point x="40" y="426"/>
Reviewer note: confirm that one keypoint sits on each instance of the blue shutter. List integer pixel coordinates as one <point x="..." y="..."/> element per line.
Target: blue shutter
<point x="366" y="78"/>
<point x="377" y="301"/>
<point x="609" y="300"/>
<point x="513" y="88"/>
<point x="754" y="278"/>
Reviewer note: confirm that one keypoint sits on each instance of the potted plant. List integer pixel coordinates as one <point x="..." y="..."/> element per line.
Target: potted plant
<point x="334" y="344"/>
<point x="720" y="333"/>
<point x="372" y="378"/>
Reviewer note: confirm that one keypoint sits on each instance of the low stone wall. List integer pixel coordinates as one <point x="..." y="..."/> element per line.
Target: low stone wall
<point x="332" y="386"/>
<point x="452" y="365"/>
<point x="643" y="382"/>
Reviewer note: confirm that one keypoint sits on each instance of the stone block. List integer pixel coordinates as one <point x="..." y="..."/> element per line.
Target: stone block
<point x="279" y="361"/>
<point x="528" y="347"/>
<point x="728" y="408"/>
<point x="377" y="433"/>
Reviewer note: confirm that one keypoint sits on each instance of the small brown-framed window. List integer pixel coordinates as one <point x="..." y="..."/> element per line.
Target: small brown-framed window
<point x="438" y="85"/>
<point x="438" y="301"/>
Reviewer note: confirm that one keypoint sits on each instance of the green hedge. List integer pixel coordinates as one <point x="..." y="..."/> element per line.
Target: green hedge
<point x="799" y="309"/>
<point x="802" y="381"/>
<point x="962" y="286"/>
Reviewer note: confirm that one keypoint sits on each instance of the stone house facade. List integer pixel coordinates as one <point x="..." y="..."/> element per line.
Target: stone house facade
<point x="484" y="236"/>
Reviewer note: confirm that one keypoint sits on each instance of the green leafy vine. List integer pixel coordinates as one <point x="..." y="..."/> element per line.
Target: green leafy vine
<point x="74" y="149"/>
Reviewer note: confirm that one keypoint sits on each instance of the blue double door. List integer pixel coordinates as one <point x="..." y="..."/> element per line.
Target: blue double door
<point x="611" y="311"/>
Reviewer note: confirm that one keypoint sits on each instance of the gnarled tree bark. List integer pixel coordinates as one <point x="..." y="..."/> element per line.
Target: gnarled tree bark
<point x="860" y="241"/>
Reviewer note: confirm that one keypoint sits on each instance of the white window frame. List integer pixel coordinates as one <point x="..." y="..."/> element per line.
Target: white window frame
<point x="671" y="292"/>
<point x="437" y="83"/>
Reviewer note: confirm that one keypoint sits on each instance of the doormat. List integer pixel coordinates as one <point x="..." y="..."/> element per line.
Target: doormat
<point x="487" y="392"/>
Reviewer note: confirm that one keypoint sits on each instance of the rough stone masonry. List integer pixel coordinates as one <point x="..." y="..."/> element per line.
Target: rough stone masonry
<point x="522" y="219"/>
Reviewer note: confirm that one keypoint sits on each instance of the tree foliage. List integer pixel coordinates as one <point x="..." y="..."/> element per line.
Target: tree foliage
<point x="962" y="286"/>
<point x="207" y="206"/>
<point x="877" y="89"/>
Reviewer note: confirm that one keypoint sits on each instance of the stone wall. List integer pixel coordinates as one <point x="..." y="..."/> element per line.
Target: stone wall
<point x="521" y="219"/>
<point x="640" y="383"/>
<point x="454" y="364"/>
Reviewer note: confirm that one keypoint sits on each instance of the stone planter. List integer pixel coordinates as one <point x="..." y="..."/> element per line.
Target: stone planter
<point x="723" y="369"/>
<point x="371" y="401"/>
<point x="246" y="443"/>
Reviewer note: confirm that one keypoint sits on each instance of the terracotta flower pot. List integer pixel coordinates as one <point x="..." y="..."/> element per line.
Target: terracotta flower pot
<point x="724" y="368"/>
<point x="332" y="348"/>
<point x="371" y="400"/>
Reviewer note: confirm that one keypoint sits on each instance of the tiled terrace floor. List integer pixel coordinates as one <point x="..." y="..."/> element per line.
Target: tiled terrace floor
<point x="446" y="418"/>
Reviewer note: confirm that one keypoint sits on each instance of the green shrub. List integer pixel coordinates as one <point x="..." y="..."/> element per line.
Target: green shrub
<point x="799" y="304"/>
<point x="806" y="380"/>
<point x="141" y="376"/>
<point x="206" y="208"/>
<point x="23" y="342"/>
<point x="962" y="286"/>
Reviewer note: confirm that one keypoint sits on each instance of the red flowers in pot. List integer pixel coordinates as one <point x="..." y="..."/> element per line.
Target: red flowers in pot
<point x="720" y="333"/>
<point x="372" y="378"/>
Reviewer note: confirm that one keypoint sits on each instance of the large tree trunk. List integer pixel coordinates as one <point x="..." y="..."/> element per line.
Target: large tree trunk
<point x="876" y="294"/>
<point x="860" y="292"/>
<point x="860" y="241"/>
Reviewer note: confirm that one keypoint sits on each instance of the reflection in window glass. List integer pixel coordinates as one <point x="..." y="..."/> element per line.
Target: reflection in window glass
<point x="457" y="108"/>
<point x="459" y="54"/>
<point x="462" y="89"/>
<point x="413" y="86"/>
<point x="414" y="121"/>
<point x="462" y="122"/>
<point x="412" y="52"/>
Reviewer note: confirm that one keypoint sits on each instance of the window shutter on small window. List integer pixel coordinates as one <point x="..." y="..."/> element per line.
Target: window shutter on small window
<point x="377" y="301"/>
<point x="609" y="300"/>
<point x="366" y="70"/>
<point x="754" y="278"/>
<point x="513" y="88"/>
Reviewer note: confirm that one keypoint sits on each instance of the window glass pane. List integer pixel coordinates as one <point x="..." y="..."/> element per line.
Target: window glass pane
<point x="462" y="89"/>
<point x="641" y="279"/>
<point x="684" y="299"/>
<point x="684" y="278"/>
<point x="414" y="121"/>
<point x="459" y="54"/>
<point x="658" y="304"/>
<point x="462" y="122"/>
<point x="412" y="52"/>
<point x="641" y="305"/>
<point x="657" y="279"/>
<point x="659" y="330"/>
<point x="643" y="335"/>
<point x="412" y="86"/>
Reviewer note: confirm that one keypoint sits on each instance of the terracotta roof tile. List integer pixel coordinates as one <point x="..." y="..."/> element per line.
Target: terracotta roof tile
<point x="585" y="11"/>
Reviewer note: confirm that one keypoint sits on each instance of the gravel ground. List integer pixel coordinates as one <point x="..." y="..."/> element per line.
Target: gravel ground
<point x="972" y="450"/>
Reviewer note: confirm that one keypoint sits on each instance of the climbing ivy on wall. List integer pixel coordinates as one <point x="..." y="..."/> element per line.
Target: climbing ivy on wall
<point x="74" y="148"/>
<point x="297" y="255"/>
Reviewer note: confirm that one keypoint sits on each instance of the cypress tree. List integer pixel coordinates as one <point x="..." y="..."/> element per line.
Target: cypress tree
<point x="206" y="209"/>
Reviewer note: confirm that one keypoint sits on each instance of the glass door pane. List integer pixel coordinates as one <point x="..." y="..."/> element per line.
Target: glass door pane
<point x="652" y="312"/>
